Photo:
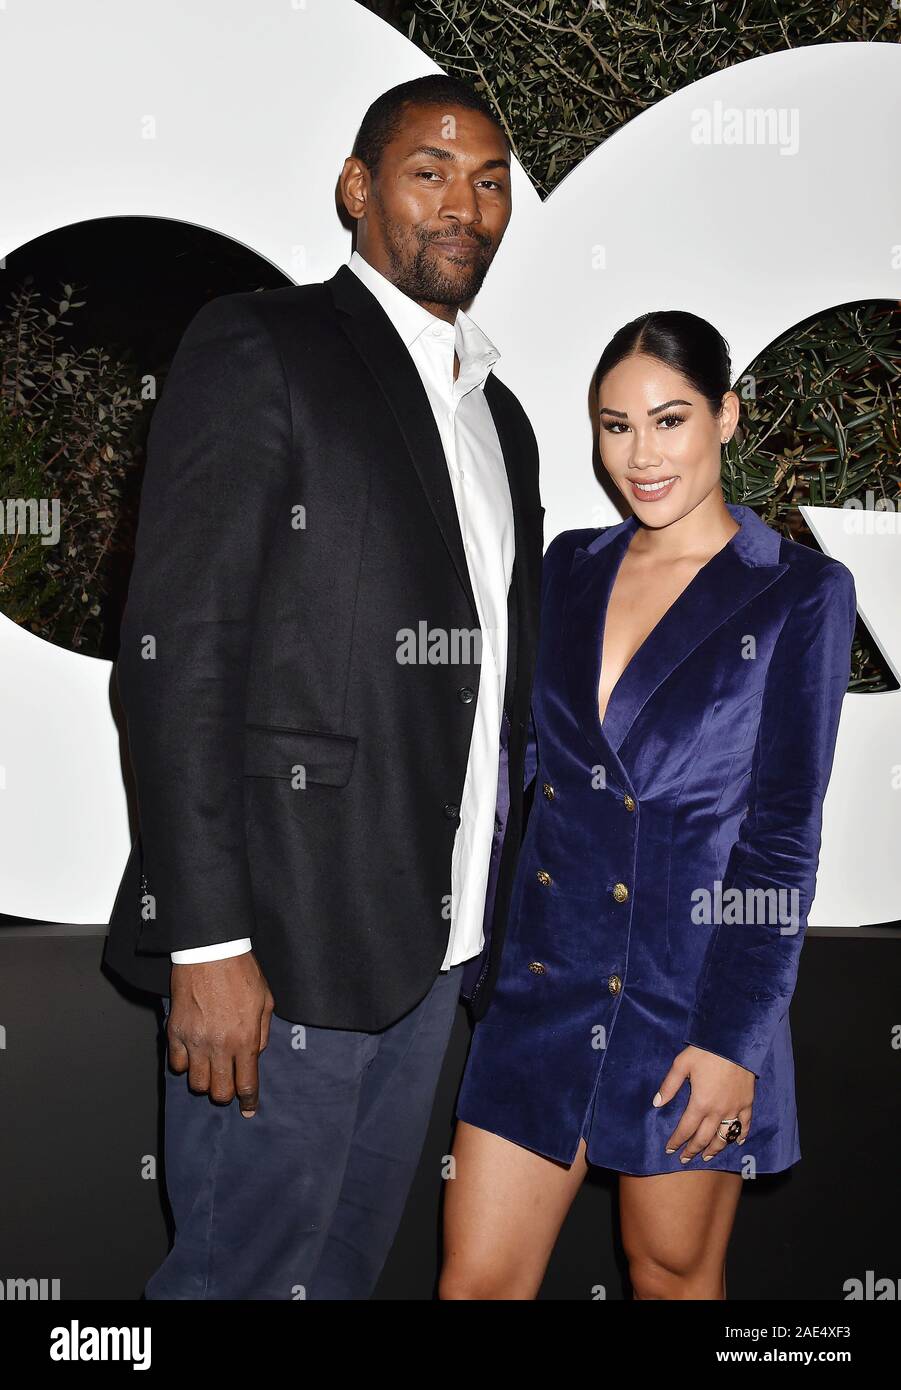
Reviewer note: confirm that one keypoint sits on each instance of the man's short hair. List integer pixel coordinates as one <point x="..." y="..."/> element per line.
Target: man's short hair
<point x="384" y="118"/>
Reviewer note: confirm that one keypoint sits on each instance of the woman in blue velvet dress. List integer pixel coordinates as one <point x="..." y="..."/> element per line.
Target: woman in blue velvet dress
<point x="691" y="669"/>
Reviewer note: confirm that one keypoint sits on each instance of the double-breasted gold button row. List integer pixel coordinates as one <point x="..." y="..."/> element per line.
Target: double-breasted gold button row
<point x="620" y="891"/>
<point x="628" y="801"/>
<point x="614" y="983"/>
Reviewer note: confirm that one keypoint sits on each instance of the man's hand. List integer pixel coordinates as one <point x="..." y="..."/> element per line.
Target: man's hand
<point x="218" y="1025"/>
<point x="720" y="1089"/>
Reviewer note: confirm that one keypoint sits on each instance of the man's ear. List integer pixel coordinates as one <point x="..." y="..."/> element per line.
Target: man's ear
<point x="354" y="187"/>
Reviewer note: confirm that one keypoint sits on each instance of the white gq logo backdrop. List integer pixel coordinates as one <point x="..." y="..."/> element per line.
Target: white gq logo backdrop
<point x="237" y="117"/>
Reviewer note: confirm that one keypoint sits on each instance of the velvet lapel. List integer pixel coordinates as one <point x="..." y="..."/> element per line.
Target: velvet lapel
<point x="747" y="565"/>
<point x="379" y="344"/>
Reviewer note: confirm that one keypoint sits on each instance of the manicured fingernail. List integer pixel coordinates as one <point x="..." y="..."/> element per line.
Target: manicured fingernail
<point x="685" y="1159"/>
<point x="658" y="1099"/>
<point x="248" y="1113"/>
<point x="671" y="1151"/>
<point x="708" y="1157"/>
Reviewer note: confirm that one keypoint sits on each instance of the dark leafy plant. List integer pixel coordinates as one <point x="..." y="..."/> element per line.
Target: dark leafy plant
<point x="820" y="428"/>
<point x="563" y="75"/>
<point x="66" y="432"/>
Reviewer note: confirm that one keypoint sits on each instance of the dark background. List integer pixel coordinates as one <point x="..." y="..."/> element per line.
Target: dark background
<point x="82" y="1113"/>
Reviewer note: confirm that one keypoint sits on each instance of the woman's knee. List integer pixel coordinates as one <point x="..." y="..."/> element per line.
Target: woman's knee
<point x="655" y="1279"/>
<point x="478" y="1282"/>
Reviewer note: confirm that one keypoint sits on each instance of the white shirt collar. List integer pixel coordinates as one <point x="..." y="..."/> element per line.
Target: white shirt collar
<point x="474" y="348"/>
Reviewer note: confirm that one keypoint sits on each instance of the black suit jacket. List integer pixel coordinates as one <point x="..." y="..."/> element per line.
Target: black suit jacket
<point x="295" y="782"/>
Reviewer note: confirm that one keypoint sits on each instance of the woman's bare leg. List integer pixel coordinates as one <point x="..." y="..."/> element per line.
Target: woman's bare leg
<point x="502" y="1215"/>
<point x="675" y="1229"/>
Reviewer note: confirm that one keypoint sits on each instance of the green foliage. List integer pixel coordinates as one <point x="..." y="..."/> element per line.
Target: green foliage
<point x="819" y="427"/>
<point x="818" y="423"/>
<point x="563" y="75"/>
<point x="66" y="426"/>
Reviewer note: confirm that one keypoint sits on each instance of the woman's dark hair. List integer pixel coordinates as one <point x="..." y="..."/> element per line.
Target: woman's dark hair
<point x="383" y="119"/>
<point x="683" y="341"/>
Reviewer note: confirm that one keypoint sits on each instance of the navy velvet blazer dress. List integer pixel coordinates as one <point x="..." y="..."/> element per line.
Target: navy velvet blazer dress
<point x="670" y="857"/>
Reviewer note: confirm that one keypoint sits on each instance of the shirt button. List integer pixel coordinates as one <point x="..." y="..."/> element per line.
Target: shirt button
<point x="614" y="984"/>
<point x="549" y="791"/>
<point x="628" y="802"/>
<point x="537" y="968"/>
<point x="544" y="877"/>
<point x="620" y="892"/>
<point x="451" y="811"/>
<point x="466" y="694"/>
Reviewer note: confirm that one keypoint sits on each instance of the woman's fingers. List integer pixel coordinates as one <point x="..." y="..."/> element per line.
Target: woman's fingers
<point x="671" y="1083"/>
<point x="701" y="1132"/>
<point x="699" y="1141"/>
<point x="692" y="1117"/>
<point x="718" y="1143"/>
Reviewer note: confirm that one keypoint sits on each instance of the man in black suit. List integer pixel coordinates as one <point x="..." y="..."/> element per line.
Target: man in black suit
<point x="325" y="665"/>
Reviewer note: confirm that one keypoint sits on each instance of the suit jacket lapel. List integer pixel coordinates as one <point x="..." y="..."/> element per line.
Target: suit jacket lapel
<point x="373" y="335"/>
<point x="740" y="571"/>
<point x="375" y="339"/>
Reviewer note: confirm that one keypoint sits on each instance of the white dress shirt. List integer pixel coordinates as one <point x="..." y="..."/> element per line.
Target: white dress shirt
<point x="485" y="512"/>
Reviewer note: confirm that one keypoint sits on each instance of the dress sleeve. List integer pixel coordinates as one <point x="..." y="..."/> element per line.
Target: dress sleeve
<point x="749" y="971"/>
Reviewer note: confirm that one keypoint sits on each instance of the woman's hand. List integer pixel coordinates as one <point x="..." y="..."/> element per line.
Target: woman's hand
<point x="719" y="1089"/>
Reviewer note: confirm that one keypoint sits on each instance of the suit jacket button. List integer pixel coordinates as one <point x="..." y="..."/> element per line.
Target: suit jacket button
<point x="451" y="811"/>
<point x="549" y="791"/>
<point x="620" y="892"/>
<point x="628" y="802"/>
<point x="614" y="984"/>
<point x="543" y="877"/>
<point x="537" y="968"/>
<point x="466" y="694"/>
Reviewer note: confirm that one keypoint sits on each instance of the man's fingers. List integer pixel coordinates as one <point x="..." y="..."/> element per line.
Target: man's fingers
<point x="265" y="1019"/>
<point x="247" y="1083"/>
<point x="219" y="1025"/>
<point x="178" y="1053"/>
<point x="222" y="1076"/>
<point x="199" y="1071"/>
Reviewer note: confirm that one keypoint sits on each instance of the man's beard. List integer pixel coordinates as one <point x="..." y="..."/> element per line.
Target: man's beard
<point x="421" y="277"/>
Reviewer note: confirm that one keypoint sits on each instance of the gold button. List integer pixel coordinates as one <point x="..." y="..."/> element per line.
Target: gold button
<point x="537" y="968"/>
<point x="620" y="892"/>
<point x="543" y="877"/>
<point x="549" y="791"/>
<point x="614" y="984"/>
<point x="628" y="802"/>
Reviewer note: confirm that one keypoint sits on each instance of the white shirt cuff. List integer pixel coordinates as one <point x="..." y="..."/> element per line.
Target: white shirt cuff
<point x="220" y="950"/>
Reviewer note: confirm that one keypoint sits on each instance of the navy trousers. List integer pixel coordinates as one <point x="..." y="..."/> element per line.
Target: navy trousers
<point x="304" y="1199"/>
